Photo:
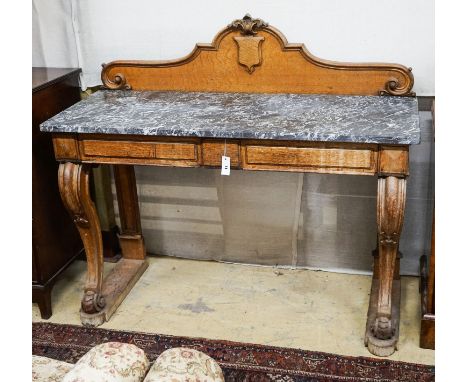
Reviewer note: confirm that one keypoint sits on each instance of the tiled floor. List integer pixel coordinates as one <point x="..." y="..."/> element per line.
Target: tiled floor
<point x="304" y="309"/>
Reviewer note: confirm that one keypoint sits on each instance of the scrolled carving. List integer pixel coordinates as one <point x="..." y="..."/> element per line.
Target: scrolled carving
<point x="70" y="175"/>
<point x="248" y="25"/>
<point x="92" y="302"/>
<point x="393" y="87"/>
<point x="383" y="328"/>
<point x="119" y="82"/>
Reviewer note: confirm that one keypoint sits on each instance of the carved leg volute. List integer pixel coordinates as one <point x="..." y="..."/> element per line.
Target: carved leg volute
<point x="74" y="190"/>
<point x="391" y="199"/>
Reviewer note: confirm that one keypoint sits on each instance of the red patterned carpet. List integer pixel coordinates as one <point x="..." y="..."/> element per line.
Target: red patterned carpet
<point x="239" y="361"/>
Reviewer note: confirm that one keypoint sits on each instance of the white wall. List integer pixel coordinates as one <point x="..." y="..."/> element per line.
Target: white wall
<point x="400" y="31"/>
<point x="53" y="38"/>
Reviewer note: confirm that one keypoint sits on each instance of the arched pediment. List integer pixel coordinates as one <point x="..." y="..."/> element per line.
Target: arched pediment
<point x="249" y="55"/>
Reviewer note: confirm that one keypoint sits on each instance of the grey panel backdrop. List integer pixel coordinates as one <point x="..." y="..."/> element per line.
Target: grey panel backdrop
<point x="272" y="218"/>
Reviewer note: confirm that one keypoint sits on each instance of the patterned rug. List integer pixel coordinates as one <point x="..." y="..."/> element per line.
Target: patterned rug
<point x="239" y="361"/>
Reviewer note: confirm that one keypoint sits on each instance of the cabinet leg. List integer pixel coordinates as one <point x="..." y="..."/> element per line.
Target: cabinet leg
<point x="382" y="328"/>
<point x="74" y="190"/>
<point x="44" y="300"/>
<point x="131" y="238"/>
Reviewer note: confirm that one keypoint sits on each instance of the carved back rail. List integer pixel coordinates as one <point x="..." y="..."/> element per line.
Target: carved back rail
<point x="251" y="56"/>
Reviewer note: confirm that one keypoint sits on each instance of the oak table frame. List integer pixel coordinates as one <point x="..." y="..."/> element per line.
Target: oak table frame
<point x="246" y="56"/>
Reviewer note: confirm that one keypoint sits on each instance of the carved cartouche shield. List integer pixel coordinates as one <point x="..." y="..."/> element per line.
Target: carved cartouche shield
<point x="250" y="54"/>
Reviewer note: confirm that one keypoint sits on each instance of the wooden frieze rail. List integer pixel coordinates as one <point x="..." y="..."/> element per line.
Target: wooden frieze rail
<point x="273" y="107"/>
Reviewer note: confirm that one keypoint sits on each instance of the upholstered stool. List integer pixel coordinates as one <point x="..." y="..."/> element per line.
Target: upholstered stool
<point x="110" y="362"/>
<point x="184" y="365"/>
<point x="49" y="370"/>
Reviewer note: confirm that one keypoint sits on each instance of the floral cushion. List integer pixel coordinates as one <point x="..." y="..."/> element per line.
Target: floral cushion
<point x="49" y="370"/>
<point x="110" y="362"/>
<point x="184" y="365"/>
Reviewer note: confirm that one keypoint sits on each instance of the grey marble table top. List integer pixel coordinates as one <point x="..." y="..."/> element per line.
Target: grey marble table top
<point x="304" y="117"/>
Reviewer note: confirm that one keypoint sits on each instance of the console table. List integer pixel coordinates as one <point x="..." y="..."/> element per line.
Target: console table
<point x="269" y="106"/>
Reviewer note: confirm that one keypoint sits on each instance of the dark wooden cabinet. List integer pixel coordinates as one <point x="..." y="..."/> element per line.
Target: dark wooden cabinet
<point x="427" y="286"/>
<point x="55" y="240"/>
<point x="427" y="289"/>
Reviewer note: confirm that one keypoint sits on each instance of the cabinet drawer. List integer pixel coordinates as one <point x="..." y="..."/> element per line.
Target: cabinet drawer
<point x="317" y="159"/>
<point x="151" y="152"/>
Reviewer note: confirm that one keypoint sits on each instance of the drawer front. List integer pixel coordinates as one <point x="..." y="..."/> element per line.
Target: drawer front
<point x="187" y="151"/>
<point x="118" y="149"/>
<point x="151" y="152"/>
<point x="214" y="150"/>
<point x="313" y="159"/>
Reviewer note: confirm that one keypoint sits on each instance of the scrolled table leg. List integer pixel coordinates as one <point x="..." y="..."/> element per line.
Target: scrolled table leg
<point x="73" y="179"/>
<point x="383" y="317"/>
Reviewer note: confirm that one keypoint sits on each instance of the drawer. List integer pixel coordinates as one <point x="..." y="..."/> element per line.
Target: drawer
<point x="213" y="150"/>
<point x="156" y="152"/>
<point x="151" y="150"/>
<point x="349" y="159"/>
